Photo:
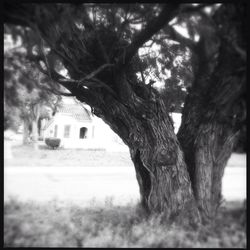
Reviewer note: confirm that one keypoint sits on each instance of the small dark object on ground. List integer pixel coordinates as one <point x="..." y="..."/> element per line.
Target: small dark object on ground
<point x="53" y="142"/>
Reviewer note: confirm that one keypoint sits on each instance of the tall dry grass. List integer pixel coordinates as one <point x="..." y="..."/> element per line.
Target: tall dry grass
<point x="55" y="225"/>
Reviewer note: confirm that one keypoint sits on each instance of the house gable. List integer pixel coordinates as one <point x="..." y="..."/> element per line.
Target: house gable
<point x="71" y="121"/>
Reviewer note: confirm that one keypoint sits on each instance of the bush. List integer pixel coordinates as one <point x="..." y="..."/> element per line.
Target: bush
<point x="53" y="142"/>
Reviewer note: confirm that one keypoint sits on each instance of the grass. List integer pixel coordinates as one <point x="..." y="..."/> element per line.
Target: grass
<point x="53" y="225"/>
<point x="44" y="156"/>
<point x="27" y="156"/>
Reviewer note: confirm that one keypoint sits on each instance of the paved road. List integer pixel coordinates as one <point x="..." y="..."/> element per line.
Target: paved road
<point x="82" y="184"/>
<point x="78" y="184"/>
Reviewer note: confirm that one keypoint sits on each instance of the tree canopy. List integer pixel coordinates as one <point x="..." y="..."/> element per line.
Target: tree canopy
<point x="98" y="39"/>
<point x="23" y="88"/>
<point x="90" y="40"/>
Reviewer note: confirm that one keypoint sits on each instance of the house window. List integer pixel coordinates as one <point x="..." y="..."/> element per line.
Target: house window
<point x="83" y="132"/>
<point x="55" y="131"/>
<point x="66" y="131"/>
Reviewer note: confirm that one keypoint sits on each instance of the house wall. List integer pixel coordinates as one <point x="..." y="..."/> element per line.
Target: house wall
<point x="102" y="131"/>
<point x="61" y="121"/>
<point x="99" y="134"/>
<point x="107" y="138"/>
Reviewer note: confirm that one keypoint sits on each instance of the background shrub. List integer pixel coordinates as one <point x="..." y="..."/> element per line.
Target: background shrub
<point x="53" y="142"/>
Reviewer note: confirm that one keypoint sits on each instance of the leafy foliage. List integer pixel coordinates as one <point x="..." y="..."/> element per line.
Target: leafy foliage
<point x="23" y="90"/>
<point x="83" y="43"/>
<point x="84" y="37"/>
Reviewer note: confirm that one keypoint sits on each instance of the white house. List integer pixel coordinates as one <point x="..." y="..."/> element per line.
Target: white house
<point x="74" y="124"/>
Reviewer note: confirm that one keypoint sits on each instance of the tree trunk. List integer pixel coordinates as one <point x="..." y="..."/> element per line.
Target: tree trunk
<point x="25" y="131"/>
<point x="211" y="120"/>
<point x="207" y="135"/>
<point x="41" y="132"/>
<point x="35" y="117"/>
<point x="161" y="171"/>
<point x="35" y="134"/>
<point x="207" y="157"/>
<point x="167" y="189"/>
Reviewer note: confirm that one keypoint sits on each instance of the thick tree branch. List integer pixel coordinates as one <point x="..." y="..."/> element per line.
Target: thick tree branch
<point x="176" y="36"/>
<point x="153" y="27"/>
<point x="126" y="93"/>
<point x="60" y="54"/>
<point x="95" y="72"/>
<point x="187" y="8"/>
<point x="242" y="53"/>
<point x="91" y="81"/>
<point x="104" y="52"/>
<point x="15" y="13"/>
<point x="76" y="87"/>
<point x="54" y="91"/>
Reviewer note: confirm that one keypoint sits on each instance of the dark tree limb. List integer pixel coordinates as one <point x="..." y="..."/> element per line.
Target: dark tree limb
<point x="176" y="36"/>
<point x="242" y="53"/>
<point x="188" y="8"/>
<point x="95" y="72"/>
<point x="104" y="52"/>
<point x="153" y="27"/>
<point x="61" y="55"/>
<point x="56" y="92"/>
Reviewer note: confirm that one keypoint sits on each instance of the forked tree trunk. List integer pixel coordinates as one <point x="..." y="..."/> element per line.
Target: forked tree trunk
<point x="167" y="189"/>
<point x="161" y="171"/>
<point x="207" y="136"/>
<point x="207" y="157"/>
<point x="213" y="110"/>
<point x="211" y="120"/>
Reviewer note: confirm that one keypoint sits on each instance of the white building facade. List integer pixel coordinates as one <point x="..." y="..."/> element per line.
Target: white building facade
<point x="76" y="127"/>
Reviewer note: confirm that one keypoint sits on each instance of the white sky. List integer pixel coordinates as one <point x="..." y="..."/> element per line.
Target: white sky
<point x="9" y="42"/>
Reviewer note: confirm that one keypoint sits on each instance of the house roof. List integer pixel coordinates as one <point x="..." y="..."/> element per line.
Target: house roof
<point x="77" y="111"/>
<point x="48" y="123"/>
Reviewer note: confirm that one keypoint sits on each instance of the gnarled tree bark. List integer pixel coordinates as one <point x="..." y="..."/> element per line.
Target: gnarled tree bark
<point x="212" y="117"/>
<point x="160" y="167"/>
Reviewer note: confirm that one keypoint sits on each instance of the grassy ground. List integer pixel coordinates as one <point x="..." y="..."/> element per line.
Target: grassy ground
<point x="44" y="156"/>
<point x="54" y="225"/>
<point x="27" y="156"/>
<point x="57" y="225"/>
